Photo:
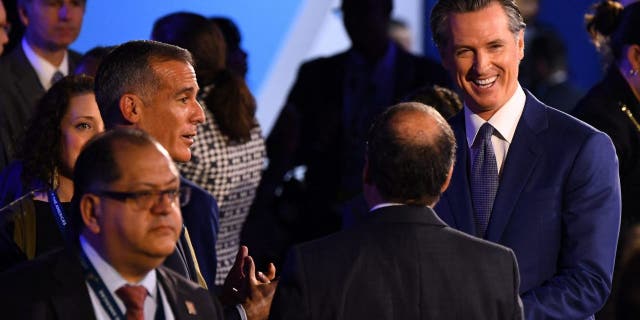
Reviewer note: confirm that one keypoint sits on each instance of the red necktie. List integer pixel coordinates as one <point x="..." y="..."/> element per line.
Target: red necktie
<point x="133" y="298"/>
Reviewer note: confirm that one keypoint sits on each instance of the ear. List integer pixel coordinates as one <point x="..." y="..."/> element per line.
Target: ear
<point x="520" y="44"/>
<point x="89" y="207"/>
<point x="447" y="181"/>
<point x="633" y="55"/>
<point x="131" y="107"/>
<point x="23" y="12"/>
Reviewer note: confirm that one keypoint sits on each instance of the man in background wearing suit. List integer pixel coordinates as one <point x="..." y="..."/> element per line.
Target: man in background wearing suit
<point x="402" y="262"/>
<point x="526" y="176"/>
<point x="152" y="86"/>
<point x="127" y="213"/>
<point x="324" y="122"/>
<point x="42" y="58"/>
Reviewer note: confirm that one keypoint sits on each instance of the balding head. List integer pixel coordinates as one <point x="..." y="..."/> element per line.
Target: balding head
<point x="410" y="154"/>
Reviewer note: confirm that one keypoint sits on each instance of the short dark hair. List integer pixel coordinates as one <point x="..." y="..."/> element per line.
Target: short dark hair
<point x="445" y="101"/>
<point x="129" y="69"/>
<point x="443" y="8"/>
<point x="409" y="170"/>
<point x="97" y="166"/>
<point x="41" y="147"/>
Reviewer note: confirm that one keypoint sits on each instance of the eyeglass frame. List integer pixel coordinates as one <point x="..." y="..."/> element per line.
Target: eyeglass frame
<point x="180" y="196"/>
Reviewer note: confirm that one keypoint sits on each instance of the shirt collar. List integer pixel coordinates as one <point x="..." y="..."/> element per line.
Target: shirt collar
<point x="43" y="68"/>
<point x="504" y="121"/>
<point x="111" y="278"/>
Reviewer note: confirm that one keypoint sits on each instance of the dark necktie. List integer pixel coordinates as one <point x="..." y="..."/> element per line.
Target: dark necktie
<point x="484" y="179"/>
<point x="56" y="77"/>
<point x="133" y="298"/>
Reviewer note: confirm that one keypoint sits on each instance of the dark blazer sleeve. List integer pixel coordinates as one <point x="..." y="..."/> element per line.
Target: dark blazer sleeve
<point x="518" y="312"/>
<point x="590" y="223"/>
<point x="291" y="298"/>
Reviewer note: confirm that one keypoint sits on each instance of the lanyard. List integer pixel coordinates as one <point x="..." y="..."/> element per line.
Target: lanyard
<point x="90" y="273"/>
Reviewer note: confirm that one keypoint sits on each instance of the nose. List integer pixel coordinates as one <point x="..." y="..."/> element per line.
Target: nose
<point x="163" y="204"/>
<point x="197" y="113"/>
<point x="63" y="12"/>
<point x="4" y="38"/>
<point x="481" y="62"/>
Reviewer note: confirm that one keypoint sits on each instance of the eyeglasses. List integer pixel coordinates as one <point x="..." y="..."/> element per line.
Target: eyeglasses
<point x="146" y="199"/>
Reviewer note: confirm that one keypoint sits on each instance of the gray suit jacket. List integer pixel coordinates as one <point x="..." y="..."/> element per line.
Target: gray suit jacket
<point x="401" y="263"/>
<point x="53" y="287"/>
<point x="20" y="90"/>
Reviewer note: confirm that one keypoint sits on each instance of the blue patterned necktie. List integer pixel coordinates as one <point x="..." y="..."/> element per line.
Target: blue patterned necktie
<point x="484" y="179"/>
<point x="57" y="76"/>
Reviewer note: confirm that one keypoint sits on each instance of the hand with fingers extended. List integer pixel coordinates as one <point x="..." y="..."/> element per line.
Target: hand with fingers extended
<point x="254" y="290"/>
<point x="261" y="288"/>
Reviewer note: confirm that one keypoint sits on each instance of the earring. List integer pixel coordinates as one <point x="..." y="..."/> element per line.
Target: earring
<point x="633" y="72"/>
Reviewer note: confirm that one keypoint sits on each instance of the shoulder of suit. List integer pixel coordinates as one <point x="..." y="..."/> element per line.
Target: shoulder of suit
<point x="475" y="244"/>
<point x="196" y="190"/>
<point x="325" y="62"/>
<point x="178" y="281"/>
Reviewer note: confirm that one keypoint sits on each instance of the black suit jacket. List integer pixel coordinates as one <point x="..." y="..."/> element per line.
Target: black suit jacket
<point x="20" y="90"/>
<point x="401" y="263"/>
<point x="53" y="287"/>
<point x="601" y="108"/>
<point x="309" y="131"/>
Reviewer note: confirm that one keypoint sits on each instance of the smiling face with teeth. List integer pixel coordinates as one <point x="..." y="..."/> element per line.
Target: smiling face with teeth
<point x="171" y="114"/>
<point x="483" y="55"/>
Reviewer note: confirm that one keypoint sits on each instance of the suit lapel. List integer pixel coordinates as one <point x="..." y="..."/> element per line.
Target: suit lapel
<point x="458" y="196"/>
<point x="181" y="306"/>
<point x="27" y="85"/>
<point x="70" y="299"/>
<point x="522" y="157"/>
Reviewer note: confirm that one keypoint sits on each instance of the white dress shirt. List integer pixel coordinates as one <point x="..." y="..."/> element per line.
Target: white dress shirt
<point x="504" y="121"/>
<point x="44" y="69"/>
<point x="113" y="280"/>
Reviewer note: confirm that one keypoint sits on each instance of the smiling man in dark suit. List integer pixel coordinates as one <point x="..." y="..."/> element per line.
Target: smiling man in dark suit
<point x="526" y="176"/>
<point x="42" y="57"/>
<point x="402" y="262"/>
<point x="127" y="212"/>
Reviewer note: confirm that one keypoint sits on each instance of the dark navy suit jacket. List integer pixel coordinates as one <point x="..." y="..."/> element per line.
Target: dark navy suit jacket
<point x="201" y="217"/>
<point x="557" y="206"/>
<point x="53" y="287"/>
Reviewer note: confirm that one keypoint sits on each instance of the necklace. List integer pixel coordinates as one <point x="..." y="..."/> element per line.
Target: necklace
<point x="627" y="111"/>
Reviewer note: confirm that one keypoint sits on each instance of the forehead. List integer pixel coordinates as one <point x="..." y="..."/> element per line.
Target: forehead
<point x="84" y="103"/>
<point x="171" y="71"/>
<point x="54" y="2"/>
<point x="487" y="24"/>
<point x="143" y="164"/>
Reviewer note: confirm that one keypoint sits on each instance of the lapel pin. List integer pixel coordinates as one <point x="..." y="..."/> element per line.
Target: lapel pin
<point x="191" y="308"/>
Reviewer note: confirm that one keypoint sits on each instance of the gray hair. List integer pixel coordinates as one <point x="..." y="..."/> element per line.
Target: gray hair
<point x="443" y="8"/>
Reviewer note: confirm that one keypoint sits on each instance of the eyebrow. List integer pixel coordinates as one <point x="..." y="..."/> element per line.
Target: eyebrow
<point x="186" y="90"/>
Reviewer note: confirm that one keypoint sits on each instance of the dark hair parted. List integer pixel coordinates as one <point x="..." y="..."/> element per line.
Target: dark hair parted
<point x="224" y="93"/>
<point x="129" y="69"/>
<point x="443" y="8"/>
<point x="96" y="166"/>
<point x="410" y="167"/>
<point x="41" y="148"/>
<point x="612" y="27"/>
<point x="445" y="101"/>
